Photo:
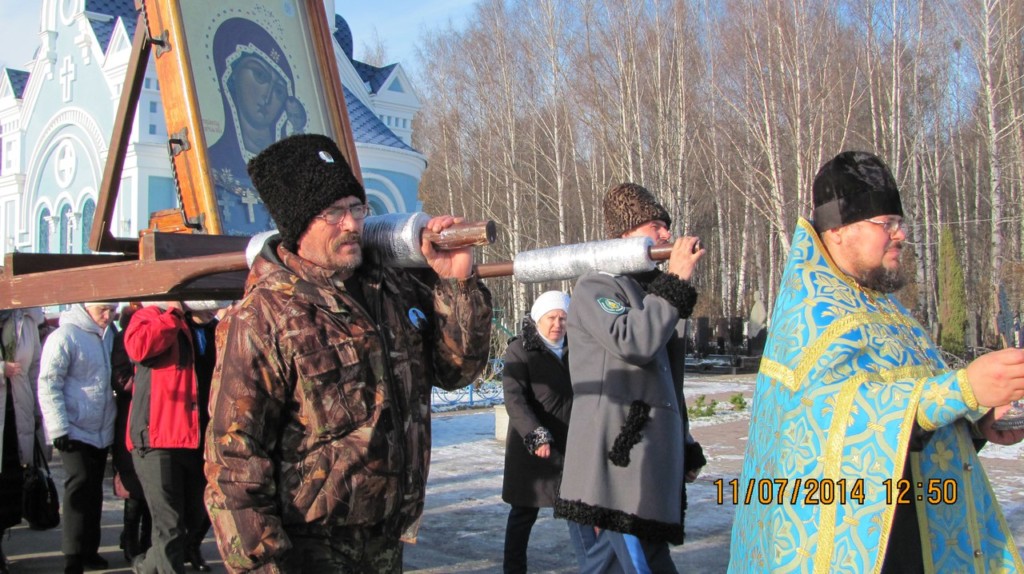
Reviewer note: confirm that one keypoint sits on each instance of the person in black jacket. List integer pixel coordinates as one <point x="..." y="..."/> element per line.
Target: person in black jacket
<point x="136" y="535"/>
<point x="538" y="398"/>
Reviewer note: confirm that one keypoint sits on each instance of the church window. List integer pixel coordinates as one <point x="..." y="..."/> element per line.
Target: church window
<point x="43" y="231"/>
<point x="88" y="213"/>
<point x="162" y="194"/>
<point x="376" y="206"/>
<point x="67" y="227"/>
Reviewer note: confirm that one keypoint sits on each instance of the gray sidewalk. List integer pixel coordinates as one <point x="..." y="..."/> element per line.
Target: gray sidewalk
<point x="464" y="521"/>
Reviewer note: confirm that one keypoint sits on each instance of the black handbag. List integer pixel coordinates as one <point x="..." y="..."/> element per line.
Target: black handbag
<point x="40" y="505"/>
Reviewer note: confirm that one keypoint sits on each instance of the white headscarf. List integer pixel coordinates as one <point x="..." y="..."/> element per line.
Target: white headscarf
<point x="547" y="302"/>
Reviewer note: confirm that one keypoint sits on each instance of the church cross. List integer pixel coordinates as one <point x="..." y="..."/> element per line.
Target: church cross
<point x="67" y="77"/>
<point x="222" y="202"/>
<point x="250" y="199"/>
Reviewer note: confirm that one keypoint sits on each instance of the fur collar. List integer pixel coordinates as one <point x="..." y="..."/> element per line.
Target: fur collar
<point x="532" y="341"/>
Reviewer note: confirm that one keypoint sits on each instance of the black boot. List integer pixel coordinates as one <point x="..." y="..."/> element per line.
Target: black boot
<point x="194" y="556"/>
<point x="94" y="562"/>
<point x="130" y="533"/>
<point x="3" y="558"/>
<point x="73" y="564"/>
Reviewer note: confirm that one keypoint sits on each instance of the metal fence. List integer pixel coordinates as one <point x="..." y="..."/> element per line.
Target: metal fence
<point x="484" y="392"/>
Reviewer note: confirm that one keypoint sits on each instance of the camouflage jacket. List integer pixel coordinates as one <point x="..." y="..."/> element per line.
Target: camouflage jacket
<point x="320" y="415"/>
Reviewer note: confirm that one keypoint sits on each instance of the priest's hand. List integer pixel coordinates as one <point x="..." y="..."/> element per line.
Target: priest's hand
<point x="997" y="378"/>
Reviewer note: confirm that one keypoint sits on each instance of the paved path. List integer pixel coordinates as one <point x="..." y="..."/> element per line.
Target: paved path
<point x="464" y="522"/>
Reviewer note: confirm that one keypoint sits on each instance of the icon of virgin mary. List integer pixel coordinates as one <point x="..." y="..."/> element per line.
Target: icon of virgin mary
<point x="258" y="92"/>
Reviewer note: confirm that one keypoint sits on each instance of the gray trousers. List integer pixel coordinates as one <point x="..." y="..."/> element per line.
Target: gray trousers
<point x="173" y="482"/>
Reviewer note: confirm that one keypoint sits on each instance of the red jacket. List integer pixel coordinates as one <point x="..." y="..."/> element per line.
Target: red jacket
<point x="165" y="410"/>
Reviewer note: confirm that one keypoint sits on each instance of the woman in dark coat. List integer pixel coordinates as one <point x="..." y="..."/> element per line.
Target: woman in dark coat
<point x="538" y="398"/>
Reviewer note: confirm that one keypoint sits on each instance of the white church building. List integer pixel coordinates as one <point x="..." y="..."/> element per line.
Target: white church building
<point x="57" y="116"/>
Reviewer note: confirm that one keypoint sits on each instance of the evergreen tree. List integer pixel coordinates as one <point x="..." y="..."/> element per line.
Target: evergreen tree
<point x="952" y="297"/>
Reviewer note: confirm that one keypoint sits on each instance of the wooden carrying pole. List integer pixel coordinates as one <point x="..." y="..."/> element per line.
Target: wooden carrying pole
<point x="177" y="267"/>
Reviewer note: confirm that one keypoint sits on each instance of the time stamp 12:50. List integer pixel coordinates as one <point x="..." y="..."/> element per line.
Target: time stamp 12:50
<point x="811" y="491"/>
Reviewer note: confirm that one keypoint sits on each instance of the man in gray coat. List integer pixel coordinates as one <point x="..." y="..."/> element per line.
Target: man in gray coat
<point x="625" y="471"/>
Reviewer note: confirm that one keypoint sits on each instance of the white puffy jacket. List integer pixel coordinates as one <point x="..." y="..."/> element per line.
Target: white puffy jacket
<point x="74" y="380"/>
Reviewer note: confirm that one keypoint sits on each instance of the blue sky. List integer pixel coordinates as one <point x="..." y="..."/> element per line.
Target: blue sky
<point x="399" y="23"/>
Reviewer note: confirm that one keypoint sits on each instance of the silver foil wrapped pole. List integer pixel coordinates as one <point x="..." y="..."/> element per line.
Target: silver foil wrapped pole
<point x="619" y="256"/>
<point x="394" y="238"/>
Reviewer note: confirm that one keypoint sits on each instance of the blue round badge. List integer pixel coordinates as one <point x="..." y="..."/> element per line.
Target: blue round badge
<point x="417" y="318"/>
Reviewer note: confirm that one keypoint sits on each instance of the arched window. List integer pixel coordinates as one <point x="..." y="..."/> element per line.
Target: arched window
<point x="88" y="212"/>
<point x="43" y="231"/>
<point x="67" y="226"/>
<point x="376" y="206"/>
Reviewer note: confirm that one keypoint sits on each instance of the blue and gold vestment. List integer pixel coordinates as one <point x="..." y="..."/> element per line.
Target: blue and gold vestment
<point x="845" y="374"/>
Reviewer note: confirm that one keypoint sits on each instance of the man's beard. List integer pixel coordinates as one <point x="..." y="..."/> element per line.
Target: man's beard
<point x="353" y="261"/>
<point x="883" y="280"/>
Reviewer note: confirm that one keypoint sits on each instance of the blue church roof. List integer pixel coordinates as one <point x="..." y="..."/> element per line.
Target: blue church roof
<point x="19" y="79"/>
<point x="343" y="34"/>
<point x="104" y="30"/>
<point x="367" y="127"/>
<point x="120" y="8"/>
<point x="373" y="75"/>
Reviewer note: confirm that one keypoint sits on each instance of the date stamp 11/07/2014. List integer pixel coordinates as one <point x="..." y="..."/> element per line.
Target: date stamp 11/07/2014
<point x="813" y="491"/>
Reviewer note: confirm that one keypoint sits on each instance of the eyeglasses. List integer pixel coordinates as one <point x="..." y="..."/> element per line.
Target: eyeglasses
<point x="334" y="215"/>
<point x="892" y="226"/>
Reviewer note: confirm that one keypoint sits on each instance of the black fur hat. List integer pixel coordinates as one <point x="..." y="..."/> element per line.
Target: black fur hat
<point x="852" y="187"/>
<point x="300" y="176"/>
<point x="628" y="205"/>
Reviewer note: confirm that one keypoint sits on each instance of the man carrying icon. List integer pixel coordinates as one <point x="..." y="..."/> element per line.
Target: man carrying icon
<point x="319" y="439"/>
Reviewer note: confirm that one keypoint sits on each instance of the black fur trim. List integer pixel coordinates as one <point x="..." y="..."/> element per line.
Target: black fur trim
<point x="537" y="437"/>
<point x="630" y="435"/>
<point x="532" y="340"/>
<point x="676" y="291"/>
<point x="683" y="504"/>
<point x="643" y="528"/>
<point x="693" y="457"/>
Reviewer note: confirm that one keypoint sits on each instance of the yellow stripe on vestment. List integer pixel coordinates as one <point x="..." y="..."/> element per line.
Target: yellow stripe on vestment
<point x="967" y="390"/>
<point x="838" y="329"/>
<point x="834" y="452"/>
<point x="791" y="379"/>
<point x="779" y="372"/>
